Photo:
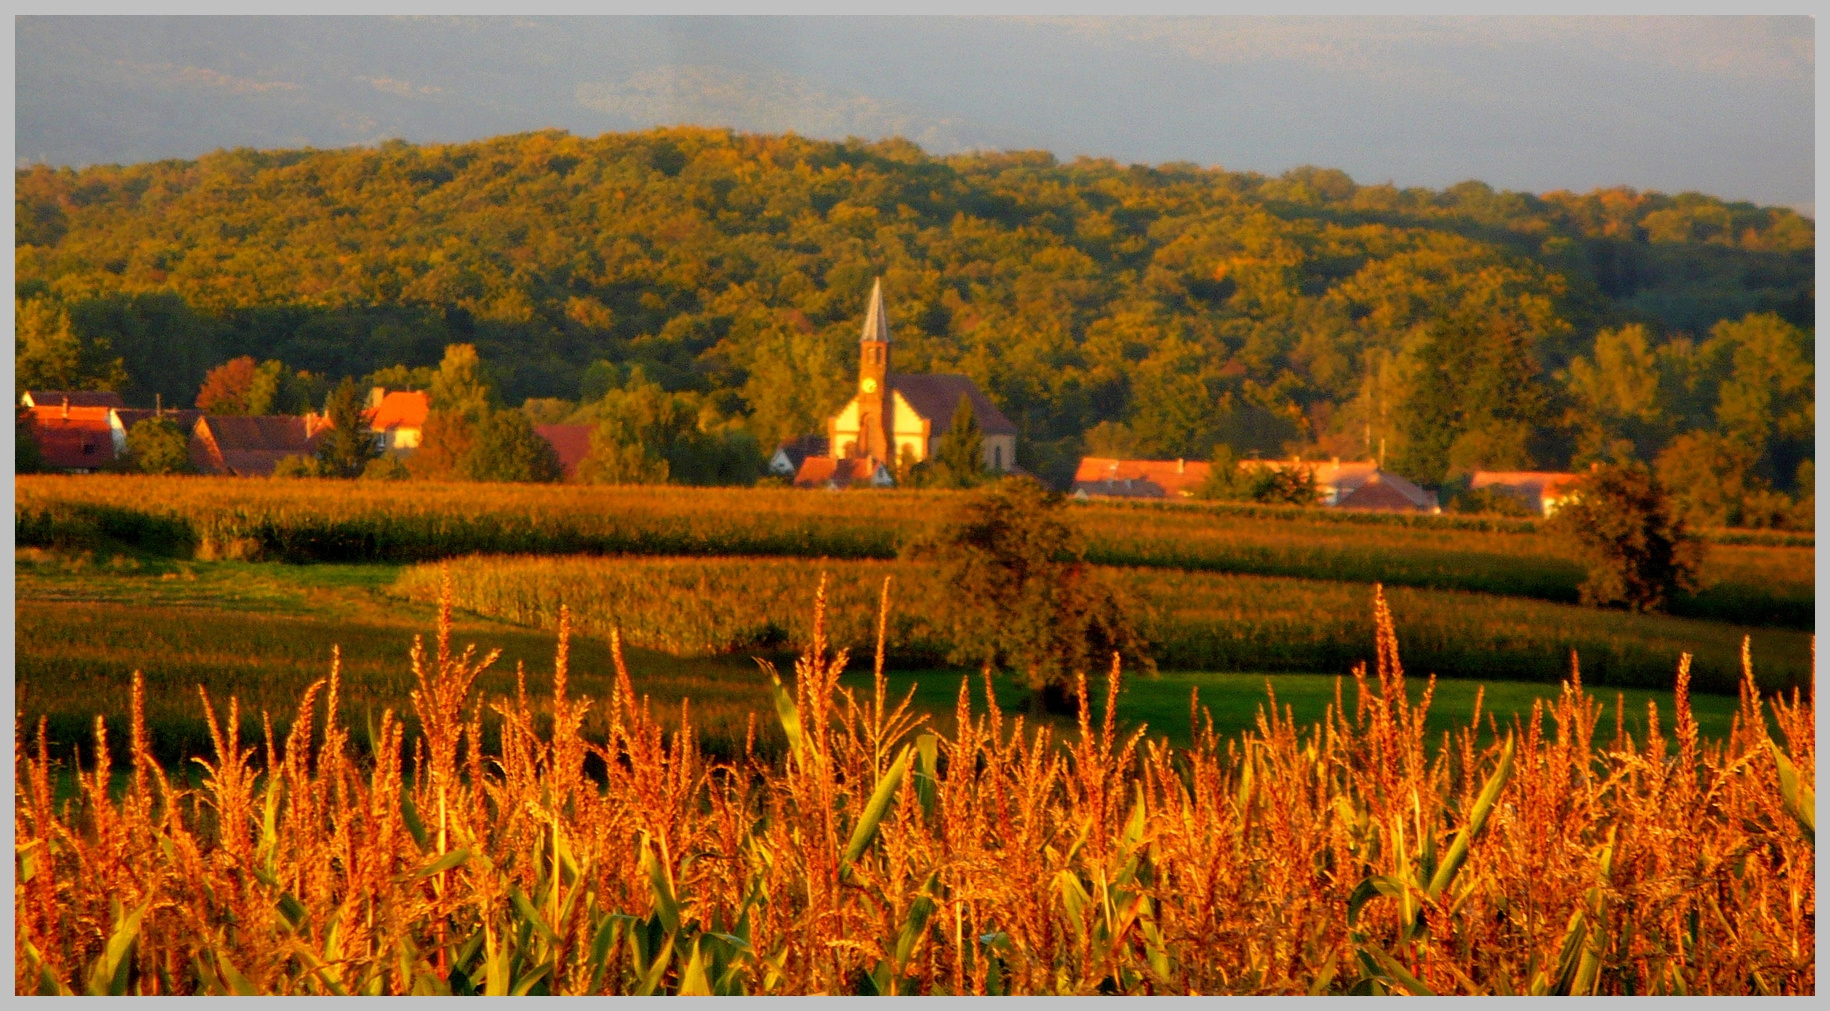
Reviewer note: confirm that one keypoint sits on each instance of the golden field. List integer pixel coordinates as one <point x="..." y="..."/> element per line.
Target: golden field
<point x="1758" y="579"/>
<point x="883" y="855"/>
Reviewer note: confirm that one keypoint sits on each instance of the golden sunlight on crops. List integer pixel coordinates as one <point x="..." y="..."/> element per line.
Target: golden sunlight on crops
<point x="880" y="856"/>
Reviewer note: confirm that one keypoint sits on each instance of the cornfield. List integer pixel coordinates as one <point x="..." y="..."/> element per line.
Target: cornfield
<point x="1767" y="583"/>
<point x="881" y="856"/>
<point x="1207" y="621"/>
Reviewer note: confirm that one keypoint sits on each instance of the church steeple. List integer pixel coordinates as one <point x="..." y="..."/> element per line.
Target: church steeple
<point x="874" y="398"/>
<point x="876" y="321"/>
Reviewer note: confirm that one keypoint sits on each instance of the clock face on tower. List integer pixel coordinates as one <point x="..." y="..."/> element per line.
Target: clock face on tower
<point x="870" y="386"/>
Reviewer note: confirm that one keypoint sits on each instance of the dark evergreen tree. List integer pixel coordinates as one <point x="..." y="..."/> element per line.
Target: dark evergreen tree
<point x="959" y="460"/>
<point x="348" y="447"/>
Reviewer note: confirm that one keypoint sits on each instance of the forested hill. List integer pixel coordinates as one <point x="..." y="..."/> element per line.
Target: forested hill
<point x="1154" y="310"/>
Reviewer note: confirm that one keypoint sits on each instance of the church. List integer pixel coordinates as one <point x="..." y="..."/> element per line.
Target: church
<point x="897" y="414"/>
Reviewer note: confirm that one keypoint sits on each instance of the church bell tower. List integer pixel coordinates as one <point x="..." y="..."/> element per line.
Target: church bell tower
<point x="875" y="402"/>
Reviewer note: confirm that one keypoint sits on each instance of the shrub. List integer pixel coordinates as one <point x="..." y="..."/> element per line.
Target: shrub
<point x="385" y="468"/>
<point x="159" y="446"/>
<point x="1622" y="524"/>
<point x="299" y="466"/>
<point x="506" y="448"/>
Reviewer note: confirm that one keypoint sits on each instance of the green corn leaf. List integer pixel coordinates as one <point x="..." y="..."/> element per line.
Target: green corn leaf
<point x="1319" y="985"/>
<point x="1477" y="820"/>
<point x="443" y="863"/>
<point x="108" y="977"/>
<point x="1800" y="800"/>
<point x="1569" y="958"/>
<point x="601" y="945"/>
<point x="527" y="982"/>
<point x="1397" y="973"/>
<point x="666" y="906"/>
<point x="927" y="762"/>
<point x="916" y="921"/>
<point x="1377" y="884"/>
<point x="291" y="910"/>
<point x="530" y="915"/>
<point x="409" y="814"/>
<point x="693" y="981"/>
<point x="1074" y="899"/>
<point x="237" y="983"/>
<point x="878" y="806"/>
<point x="651" y="980"/>
<point x="48" y="984"/>
<point x="785" y="708"/>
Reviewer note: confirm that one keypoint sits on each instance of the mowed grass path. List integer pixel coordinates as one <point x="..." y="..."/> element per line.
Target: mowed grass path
<point x="262" y="632"/>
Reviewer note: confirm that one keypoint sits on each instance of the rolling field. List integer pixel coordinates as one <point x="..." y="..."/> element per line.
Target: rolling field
<point x="1760" y="579"/>
<point x="1194" y="620"/>
<point x="263" y="631"/>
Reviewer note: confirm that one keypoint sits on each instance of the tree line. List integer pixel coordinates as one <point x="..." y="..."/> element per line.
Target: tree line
<point x="701" y="289"/>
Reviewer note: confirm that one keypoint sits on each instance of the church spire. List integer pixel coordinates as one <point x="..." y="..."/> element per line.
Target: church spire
<point x="876" y="321"/>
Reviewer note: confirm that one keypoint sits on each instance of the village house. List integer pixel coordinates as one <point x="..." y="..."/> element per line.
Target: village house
<point x="397" y="419"/>
<point x="1542" y="491"/>
<point x="250" y="446"/>
<point x="897" y="416"/>
<point x="75" y="440"/>
<point x="793" y="452"/>
<point x="1338" y="485"/>
<point x="833" y="474"/>
<point x="1105" y="477"/>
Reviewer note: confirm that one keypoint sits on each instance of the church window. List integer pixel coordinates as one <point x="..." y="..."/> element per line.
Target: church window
<point x="997" y="457"/>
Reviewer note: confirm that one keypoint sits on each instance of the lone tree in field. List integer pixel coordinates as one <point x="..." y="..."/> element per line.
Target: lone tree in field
<point x="1019" y="594"/>
<point x="1638" y="552"/>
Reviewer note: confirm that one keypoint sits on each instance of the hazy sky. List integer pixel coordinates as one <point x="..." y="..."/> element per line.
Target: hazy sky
<point x="1721" y="105"/>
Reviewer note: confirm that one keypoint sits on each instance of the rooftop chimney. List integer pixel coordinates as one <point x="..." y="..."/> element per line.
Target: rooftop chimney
<point x="1180" y="466"/>
<point x="66" y="407"/>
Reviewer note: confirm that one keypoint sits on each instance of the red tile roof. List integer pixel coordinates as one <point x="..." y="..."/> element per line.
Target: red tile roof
<point x="249" y="446"/>
<point x="75" y="439"/>
<point x="77" y="398"/>
<point x="1387" y="493"/>
<point x="399" y="409"/>
<point x="571" y="442"/>
<point x="1113" y="478"/>
<point x="824" y="471"/>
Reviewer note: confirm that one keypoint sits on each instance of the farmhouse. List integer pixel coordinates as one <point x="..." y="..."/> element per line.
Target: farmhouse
<point x="1340" y="485"/>
<point x="1105" y="477"/>
<point x="793" y="452"/>
<point x="250" y="446"/>
<point x="833" y="474"/>
<point x="1542" y="490"/>
<point x="75" y="440"/>
<point x="397" y="419"/>
<point x="898" y="416"/>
